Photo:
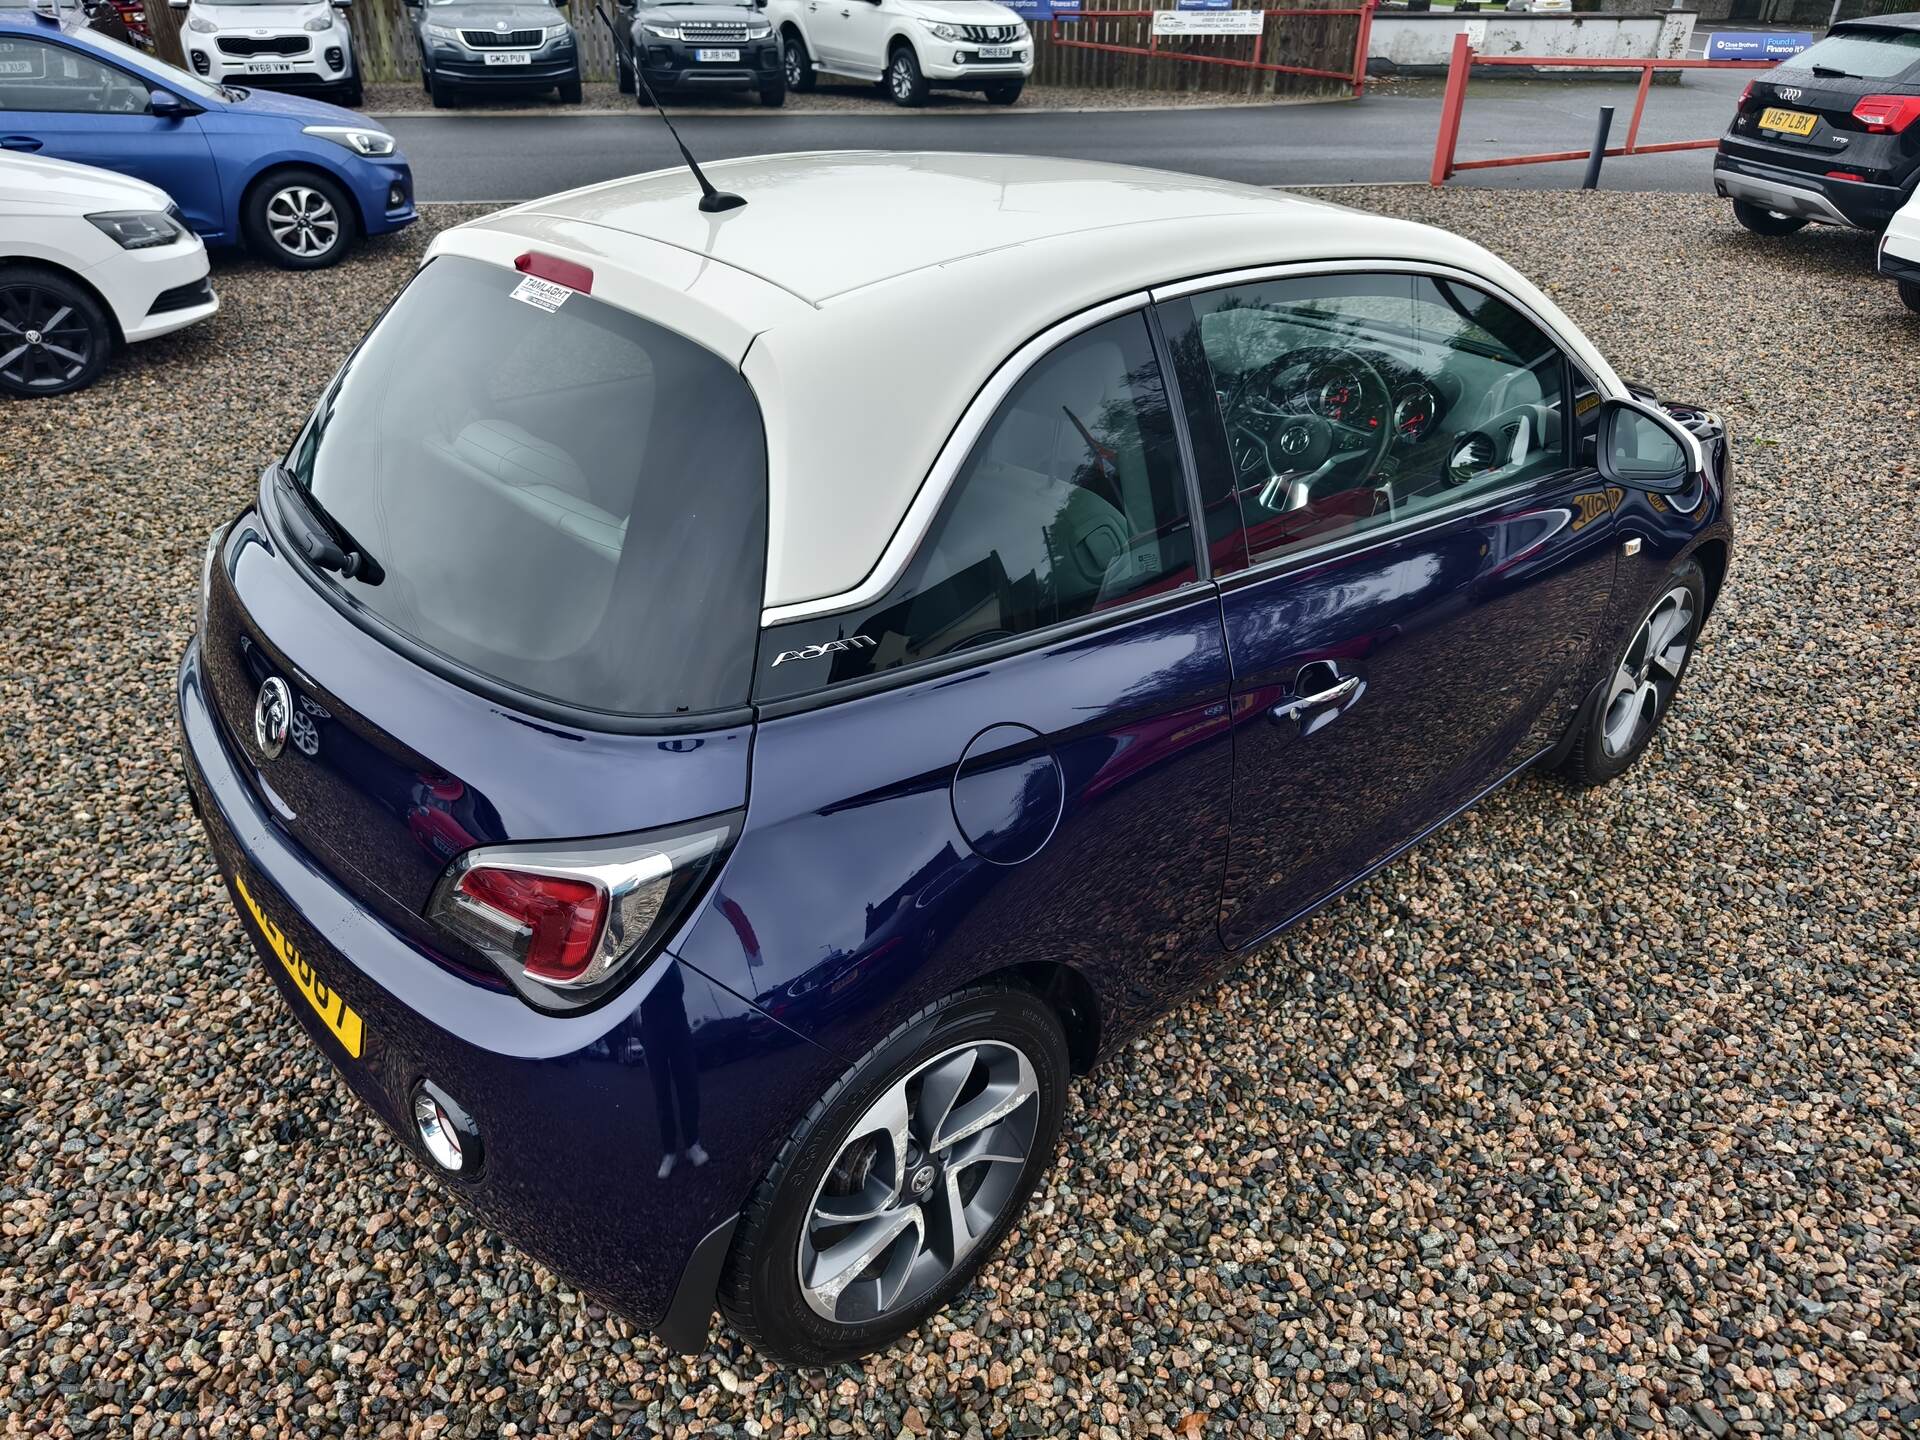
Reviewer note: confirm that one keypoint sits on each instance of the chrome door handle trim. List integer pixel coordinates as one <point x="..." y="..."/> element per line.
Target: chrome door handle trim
<point x="1294" y="709"/>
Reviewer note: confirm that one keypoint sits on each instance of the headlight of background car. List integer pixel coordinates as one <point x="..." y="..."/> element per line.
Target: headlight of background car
<point x="361" y="142"/>
<point x="759" y="32"/>
<point x="443" y="32"/>
<point x="137" y="229"/>
<point x="202" y="24"/>
<point x="665" y="32"/>
<point x="559" y="32"/>
<point x="948" y="32"/>
<point x="319" y="23"/>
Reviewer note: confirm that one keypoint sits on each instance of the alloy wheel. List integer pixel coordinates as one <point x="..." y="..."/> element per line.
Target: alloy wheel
<point x="920" y="1180"/>
<point x="795" y="71"/>
<point x="902" y="80"/>
<point x="45" y="343"/>
<point x="1648" y="674"/>
<point x="303" y="222"/>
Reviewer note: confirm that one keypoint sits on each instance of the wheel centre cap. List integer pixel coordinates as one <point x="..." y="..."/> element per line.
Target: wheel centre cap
<point x="33" y="337"/>
<point x="921" y="1180"/>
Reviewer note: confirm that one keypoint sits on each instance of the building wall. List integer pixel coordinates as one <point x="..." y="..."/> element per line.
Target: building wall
<point x="1410" y="41"/>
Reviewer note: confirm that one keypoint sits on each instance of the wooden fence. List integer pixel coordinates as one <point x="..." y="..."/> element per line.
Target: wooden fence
<point x="383" y="40"/>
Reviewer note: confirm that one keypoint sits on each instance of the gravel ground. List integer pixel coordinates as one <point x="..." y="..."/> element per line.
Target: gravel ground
<point x="1593" y="1115"/>
<point x="407" y="98"/>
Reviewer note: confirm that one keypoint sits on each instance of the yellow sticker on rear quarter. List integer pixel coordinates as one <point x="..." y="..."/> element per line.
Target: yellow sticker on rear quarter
<point x="327" y="1002"/>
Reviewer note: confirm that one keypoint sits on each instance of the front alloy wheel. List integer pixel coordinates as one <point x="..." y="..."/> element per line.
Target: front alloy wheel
<point x="904" y="81"/>
<point x="900" y="1181"/>
<point x="300" y="220"/>
<point x="53" y="337"/>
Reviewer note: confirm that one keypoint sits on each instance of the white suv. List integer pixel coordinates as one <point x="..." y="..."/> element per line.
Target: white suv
<point x="280" y="44"/>
<point x="908" y="45"/>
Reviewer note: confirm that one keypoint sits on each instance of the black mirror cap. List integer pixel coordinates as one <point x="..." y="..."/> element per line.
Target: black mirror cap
<point x="1622" y="460"/>
<point x="165" y="105"/>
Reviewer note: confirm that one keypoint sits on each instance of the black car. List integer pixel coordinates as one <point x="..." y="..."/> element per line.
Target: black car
<point x="688" y="45"/>
<point x="1831" y="135"/>
<point x="495" y="45"/>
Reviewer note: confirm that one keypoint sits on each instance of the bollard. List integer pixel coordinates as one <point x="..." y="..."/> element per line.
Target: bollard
<point x="1599" y="151"/>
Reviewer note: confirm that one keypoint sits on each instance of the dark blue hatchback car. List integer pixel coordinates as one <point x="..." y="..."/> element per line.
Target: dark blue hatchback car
<point x="296" y="180"/>
<point x="709" y="762"/>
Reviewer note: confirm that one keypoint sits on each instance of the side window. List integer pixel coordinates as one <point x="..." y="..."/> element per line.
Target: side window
<point x="37" y="76"/>
<point x="1071" y="502"/>
<point x="1351" y="402"/>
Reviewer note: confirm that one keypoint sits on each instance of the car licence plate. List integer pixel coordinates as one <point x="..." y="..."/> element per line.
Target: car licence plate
<point x="724" y="57"/>
<point x="1788" y="122"/>
<point x="270" y="67"/>
<point x="340" y="1018"/>
<point x="507" y="57"/>
<point x="996" y="52"/>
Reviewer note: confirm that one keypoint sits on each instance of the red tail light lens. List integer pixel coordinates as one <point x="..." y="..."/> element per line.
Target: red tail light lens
<point x="1746" y="94"/>
<point x="564" y="922"/>
<point x="1887" y="114"/>
<point x="551" y="267"/>
<point x="561" y="918"/>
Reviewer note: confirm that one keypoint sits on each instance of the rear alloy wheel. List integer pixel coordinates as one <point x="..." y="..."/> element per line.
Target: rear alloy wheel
<point x="800" y="75"/>
<point x="1910" y="294"/>
<point x="299" y="221"/>
<point x="905" y="83"/>
<point x="1640" y="688"/>
<point x="1762" y="221"/>
<point x="53" y="335"/>
<point x="901" y="1181"/>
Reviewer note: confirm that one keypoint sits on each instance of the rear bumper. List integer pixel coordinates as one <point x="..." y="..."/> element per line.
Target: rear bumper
<point x="1809" y="194"/>
<point x="569" y="1109"/>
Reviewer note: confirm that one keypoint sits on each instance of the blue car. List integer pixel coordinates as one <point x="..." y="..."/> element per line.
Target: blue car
<point x="295" y="180"/>
<point x="709" y="765"/>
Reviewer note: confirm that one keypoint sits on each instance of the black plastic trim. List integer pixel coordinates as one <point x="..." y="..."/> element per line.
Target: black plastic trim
<point x="683" y="1329"/>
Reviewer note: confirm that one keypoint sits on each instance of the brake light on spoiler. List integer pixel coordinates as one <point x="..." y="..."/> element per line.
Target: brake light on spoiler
<point x="551" y="267"/>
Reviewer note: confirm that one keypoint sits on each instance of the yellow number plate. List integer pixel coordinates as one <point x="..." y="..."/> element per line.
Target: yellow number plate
<point x="1788" y="122"/>
<point x="332" y="1008"/>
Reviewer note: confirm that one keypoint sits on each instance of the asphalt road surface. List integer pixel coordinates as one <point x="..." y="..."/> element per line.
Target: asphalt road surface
<point x="1376" y="140"/>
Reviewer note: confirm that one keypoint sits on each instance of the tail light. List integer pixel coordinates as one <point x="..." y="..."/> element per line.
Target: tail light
<point x="1746" y="94"/>
<point x="565" y="922"/>
<point x="1887" y="114"/>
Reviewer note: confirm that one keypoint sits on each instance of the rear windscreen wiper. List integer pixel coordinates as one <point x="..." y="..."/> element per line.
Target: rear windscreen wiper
<point x="322" y="539"/>
<point x="1827" y="72"/>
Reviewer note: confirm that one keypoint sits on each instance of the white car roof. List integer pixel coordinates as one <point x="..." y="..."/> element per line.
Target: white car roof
<point x="37" y="184"/>
<point x="868" y="297"/>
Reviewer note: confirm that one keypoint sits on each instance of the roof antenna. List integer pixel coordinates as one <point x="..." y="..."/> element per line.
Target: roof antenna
<point x="711" y="200"/>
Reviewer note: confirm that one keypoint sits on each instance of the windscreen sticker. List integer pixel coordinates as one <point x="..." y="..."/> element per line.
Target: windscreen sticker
<point x="542" y="293"/>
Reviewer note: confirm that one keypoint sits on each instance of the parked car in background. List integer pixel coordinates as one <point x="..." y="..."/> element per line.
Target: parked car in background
<point x="1900" y="252"/>
<point x="1831" y="135"/>
<point x="693" y="45"/>
<point x="282" y="44"/>
<point x="911" y="46"/>
<point x="719" y="885"/>
<point x="89" y="261"/>
<point x="295" y="179"/>
<point x="495" y="47"/>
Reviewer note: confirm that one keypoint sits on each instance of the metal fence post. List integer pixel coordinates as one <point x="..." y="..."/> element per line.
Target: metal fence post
<point x="1458" y="68"/>
<point x="1363" y="42"/>
<point x="1599" y="151"/>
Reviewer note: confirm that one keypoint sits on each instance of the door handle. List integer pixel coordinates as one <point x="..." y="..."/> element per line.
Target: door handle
<point x="1293" y="709"/>
<point x="19" y="142"/>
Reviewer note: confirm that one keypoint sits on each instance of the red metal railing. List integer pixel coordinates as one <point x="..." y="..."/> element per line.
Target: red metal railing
<point x="1356" y="76"/>
<point x="1460" y="66"/>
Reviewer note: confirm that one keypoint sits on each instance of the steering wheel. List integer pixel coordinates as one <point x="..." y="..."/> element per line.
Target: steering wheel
<point x="1303" y="426"/>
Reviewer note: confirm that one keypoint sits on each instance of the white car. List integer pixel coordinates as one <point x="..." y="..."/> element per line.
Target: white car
<point x="910" y="46"/>
<point x="1900" y="252"/>
<point x="88" y="260"/>
<point x="273" y="43"/>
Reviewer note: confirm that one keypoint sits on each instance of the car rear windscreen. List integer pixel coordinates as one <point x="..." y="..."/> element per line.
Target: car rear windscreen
<point x="1863" y="54"/>
<point x="562" y="496"/>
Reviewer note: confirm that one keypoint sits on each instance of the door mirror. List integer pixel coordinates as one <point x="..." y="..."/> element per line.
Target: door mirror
<point x="1645" y="449"/>
<point x="165" y="105"/>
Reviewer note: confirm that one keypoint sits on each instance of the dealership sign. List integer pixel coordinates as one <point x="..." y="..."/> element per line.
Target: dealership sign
<point x="1754" y="45"/>
<point x="1209" y="22"/>
<point x="1044" y="9"/>
<point x="1204" y="5"/>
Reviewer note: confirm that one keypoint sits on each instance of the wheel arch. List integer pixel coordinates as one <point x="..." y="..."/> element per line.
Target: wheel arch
<point x="1713" y="554"/>
<point x="1071" y="997"/>
<point x="275" y="169"/>
<point x="72" y="277"/>
<point x="900" y="40"/>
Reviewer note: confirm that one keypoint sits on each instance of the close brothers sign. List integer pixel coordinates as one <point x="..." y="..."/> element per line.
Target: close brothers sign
<point x="1754" y="45"/>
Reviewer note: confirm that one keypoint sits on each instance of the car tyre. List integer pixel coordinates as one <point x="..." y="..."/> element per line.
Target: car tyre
<point x="990" y="1053"/>
<point x="353" y="94"/>
<point x="623" y="77"/>
<point x="774" y="94"/>
<point x="57" y="337"/>
<point x="426" y="80"/>
<point x="799" y="66"/>
<point x="1005" y="92"/>
<point x="570" y="90"/>
<point x="1762" y="221"/>
<point x="1643" y="678"/>
<point x="1910" y="294"/>
<point x="904" y="82"/>
<point x="441" y="91"/>
<point x="298" y="219"/>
